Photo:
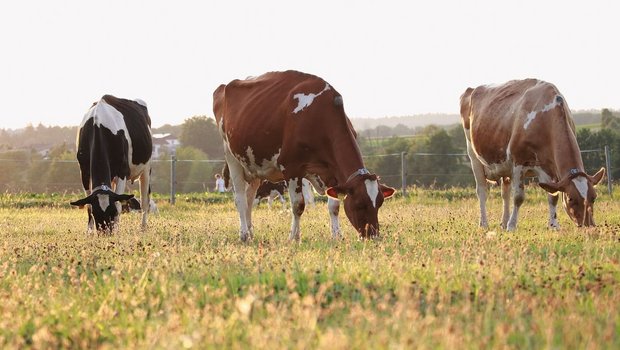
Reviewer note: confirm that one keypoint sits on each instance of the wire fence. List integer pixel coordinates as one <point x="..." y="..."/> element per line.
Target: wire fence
<point x="173" y="176"/>
<point x="413" y="171"/>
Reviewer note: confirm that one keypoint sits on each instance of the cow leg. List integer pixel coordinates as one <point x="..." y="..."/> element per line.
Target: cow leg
<point x="519" y="196"/>
<point x="145" y="195"/>
<point x="297" y="207"/>
<point x="307" y="191"/>
<point x="119" y="188"/>
<point x="333" y="207"/>
<point x="90" y="228"/>
<point x="270" y="200"/>
<point x="91" y="220"/>
<point x="241" y="201"/>
<point x="506" y="201"/>
<point x="552" y="200"/>
<point x="553" y="211"/>
<point x="250" y="194"/>
<point x="481" y="184"/>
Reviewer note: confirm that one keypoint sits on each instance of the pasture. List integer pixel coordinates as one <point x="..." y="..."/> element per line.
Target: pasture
<point x="433" y="280"/>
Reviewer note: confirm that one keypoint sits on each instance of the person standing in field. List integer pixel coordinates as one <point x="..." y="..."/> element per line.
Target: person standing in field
<point x="219" y="184"/>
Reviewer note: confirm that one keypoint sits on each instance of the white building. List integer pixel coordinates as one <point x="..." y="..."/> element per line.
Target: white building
<point x="164" y="143"/>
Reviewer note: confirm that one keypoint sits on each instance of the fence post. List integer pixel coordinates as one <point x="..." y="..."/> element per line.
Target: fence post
<point x="403" y="173"/>
<point x="173" y="178"/>
<point x="608" y="166"/>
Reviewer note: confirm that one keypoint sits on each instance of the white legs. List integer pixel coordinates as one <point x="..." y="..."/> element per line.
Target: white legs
<point x="244" y="196"/>
<point x="297" y="207"/>
<point x="333" y="206"/>
<point x="553" y="211"/>
<point x="118" y="186"/>
<point x="552" y="200"/>
<point x="481" y="185"/>
<point x="506" y="201"/>
<point x="145" y="195"/>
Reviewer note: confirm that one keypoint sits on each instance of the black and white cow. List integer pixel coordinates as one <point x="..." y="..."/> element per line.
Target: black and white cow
<point x="271" y="191"/>
<point x="114" y="145"/>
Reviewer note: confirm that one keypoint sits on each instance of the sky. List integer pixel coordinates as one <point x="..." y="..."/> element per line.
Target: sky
<point x="387" y="58"/>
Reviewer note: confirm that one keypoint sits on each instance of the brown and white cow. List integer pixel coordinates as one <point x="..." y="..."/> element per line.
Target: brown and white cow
<point x="114" y="145"/>
<point x="525" y="128"/>
<point x="289" y="126"/>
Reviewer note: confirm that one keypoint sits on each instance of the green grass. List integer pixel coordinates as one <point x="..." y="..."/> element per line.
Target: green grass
<point x="433" y="280"/>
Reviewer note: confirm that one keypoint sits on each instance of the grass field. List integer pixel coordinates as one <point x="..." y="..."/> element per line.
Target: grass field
<point x="433" y="280"/>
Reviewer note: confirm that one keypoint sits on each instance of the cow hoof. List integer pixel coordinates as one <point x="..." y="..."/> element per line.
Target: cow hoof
<point x="245" y="236"/>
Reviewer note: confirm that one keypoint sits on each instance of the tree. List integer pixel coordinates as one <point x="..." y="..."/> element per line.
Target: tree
<point x="609" y="121"/>
<point x="12" y="169"/>
<point x="388" y="167"/>
<point x="593" y="161"/>
<point x="194" y="176"/>
<point x="442" y="167"/>
<point x="201" y="133"/>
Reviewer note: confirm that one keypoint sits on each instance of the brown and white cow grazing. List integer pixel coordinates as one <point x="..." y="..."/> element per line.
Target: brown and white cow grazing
<point x="525" y="128"/>
<point x="289" y="126"/>
<point x="114" y="145"/>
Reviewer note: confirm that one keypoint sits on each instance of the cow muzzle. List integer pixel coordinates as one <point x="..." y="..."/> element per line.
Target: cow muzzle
<point x="369" y="231"/>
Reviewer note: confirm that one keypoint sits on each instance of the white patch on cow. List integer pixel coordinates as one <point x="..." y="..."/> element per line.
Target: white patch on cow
<point x="250" y="154"/>
<point x="104" y="201"/>
<point x="105" y="115"/>
<point x="530" y="118"/>
<point x="582" y="186"/>
<point x="135" y="170"/>
<point x="372" y="188"/>
<point x="532" y="115"/>
<point x="140" y="102"/>
<point x="306" y="100"/>
<point x="317" y="183"/>
<point x="267" y="169"/>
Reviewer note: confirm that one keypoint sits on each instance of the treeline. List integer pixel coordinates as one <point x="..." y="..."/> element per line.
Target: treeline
<point x="434" y="156"/>
<point x="27" y="163"/>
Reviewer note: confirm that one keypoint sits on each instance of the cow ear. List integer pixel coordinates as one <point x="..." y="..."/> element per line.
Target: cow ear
<point x="123" y="198"/>
<point x="596" y="178"/>
<point x="551" y="187"/>
<point x="387" y="191"/>
<point x="81" y="203"/>
<point x="335" y="192"/>
<point x="134" y="204"/>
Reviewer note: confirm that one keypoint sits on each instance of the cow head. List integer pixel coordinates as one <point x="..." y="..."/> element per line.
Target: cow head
<point x="131" y="205"/>
<point x="362" y="195"/>
<point x="103" y="209"/>
<point x="578" y="195"/>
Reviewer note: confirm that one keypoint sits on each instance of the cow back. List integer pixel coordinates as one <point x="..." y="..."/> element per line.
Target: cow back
<point x="138" y="123"/>
<point x="518" y="118"/>
<point x="289" y="114"/>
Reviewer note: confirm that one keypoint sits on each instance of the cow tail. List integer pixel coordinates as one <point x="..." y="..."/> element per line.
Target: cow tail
<point x="226" y="175"/>
<point x="466" y="107"/>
